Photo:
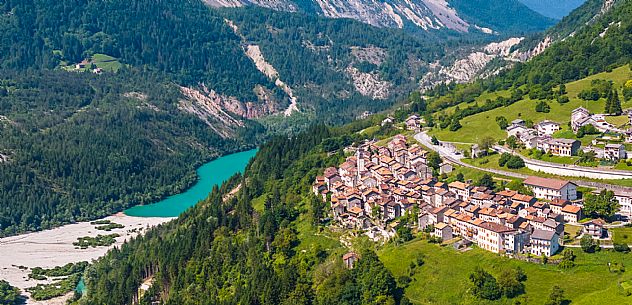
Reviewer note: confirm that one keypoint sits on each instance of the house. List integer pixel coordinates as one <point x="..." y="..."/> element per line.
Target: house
<point x="524" y="200"/>
<point x="461" y="189"/>
<point x="550" y="189"/>
<point x="594" y="228"/>
<point x="614" y="152"/>
<point x="625" y="202"/>
<point x="580" y="117"/>
<point x="387" y="120"/>
<point x="515" y="241"/>
<point x="560" y="147"/>
<point x="350" y="259"/>
<point x="443" y="231"/>
<point x="445" y="168"/>
<point x="517" y="131"/>
<point x="544" y="242"/>
<point x="83" y="64"/>
<point x="571" y="213"/>
<point x="413" y="122"/>
<point x="547" y="128"/>
<point x="492" y="236"/>
<point x="518" y="122"/>
<point x="556" y="205"/>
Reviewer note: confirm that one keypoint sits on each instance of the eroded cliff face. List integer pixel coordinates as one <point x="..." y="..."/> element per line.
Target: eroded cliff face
<point x="426" y="14"/>
<point x="369" y="84"/>
<point x="471" y="66"/>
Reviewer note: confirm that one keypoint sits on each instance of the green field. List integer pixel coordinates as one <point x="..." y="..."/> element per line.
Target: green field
<point x="103" y="61"/>
<point x="443" y="279"/>
<point x="619" y="120"/>
<point x="621" y="235"/>
<point x="483" y="124"/>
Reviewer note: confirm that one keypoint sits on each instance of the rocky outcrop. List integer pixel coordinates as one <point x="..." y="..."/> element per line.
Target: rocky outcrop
<point x="253" y="52"/>
<point x="371" y="54"/>
<point x="282" y="5"/>
<point x="208" y="107"/>
<point x="473" y="65"/>
<point x="369" y="84"/>
<point x="426" y="14"/>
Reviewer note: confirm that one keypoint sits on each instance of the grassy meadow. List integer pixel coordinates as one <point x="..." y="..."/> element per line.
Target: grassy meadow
<point x="482" y="125"/>
<point x="443" y="278"/>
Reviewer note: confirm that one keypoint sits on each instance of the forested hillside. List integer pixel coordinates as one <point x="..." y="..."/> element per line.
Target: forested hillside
<point x="228" y="251"/>
<point x="77" y="146"/>
<point x="508" y="17"/>
<point x="554" y="9"/>
<point x="339" y="67"/>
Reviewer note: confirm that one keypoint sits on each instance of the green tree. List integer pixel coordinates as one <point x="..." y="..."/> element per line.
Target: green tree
<point x="484" y="285"/>
<point x="515" y="162"/>
<point x="568" y="259"/>
<point x="627" y="91"/>
<point x="9" y="295"/>
<point x="460" y="177"/>
<point x="455" y="124"/>
<point x="603" y="204"/>
<point x="588" y="244"/>
<point x="487" y="180"/>
<point x="434" y="160"/>
<point x="510" y="282"/>
<point x="434" y="140"/>
<point x="556" y="297"/>
<point x="486" y="143"/>
<point x="562" y="90"/>
<point x="502" y="122"/>
<point x="512" y="142"/>
<point x="542" y="106"/>
<point x="504" y="158"/>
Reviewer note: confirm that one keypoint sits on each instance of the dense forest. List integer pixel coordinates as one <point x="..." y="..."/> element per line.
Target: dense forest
<point x="324" y="48"/>
<point x="80" y="145"/>
<point x="75" y="146"/>
<point x="193" y="44"/>
<point x="226" y="251"/>
<point x="505" y="16"/>
<point x="185" y="39"/>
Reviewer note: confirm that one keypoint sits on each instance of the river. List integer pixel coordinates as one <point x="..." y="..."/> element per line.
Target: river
<point x="209" y="174"/>
<point x="50" y="248"/>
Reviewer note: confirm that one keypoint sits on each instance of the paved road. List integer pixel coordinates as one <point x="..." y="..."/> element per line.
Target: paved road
<point x="580" y="170"/>
<point x="450" y="156"/>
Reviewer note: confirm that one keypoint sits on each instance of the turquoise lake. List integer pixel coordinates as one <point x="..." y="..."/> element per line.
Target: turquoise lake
<point x="212" y="173"/>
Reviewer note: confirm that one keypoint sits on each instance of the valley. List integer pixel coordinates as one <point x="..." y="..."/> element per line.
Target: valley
<point x="315" y="152"/>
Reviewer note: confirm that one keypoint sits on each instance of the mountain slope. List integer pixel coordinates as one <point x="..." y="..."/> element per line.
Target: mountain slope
<point x="81" y="145"/>
<point x="429" y="15"/>
<point x="553" y="9"/>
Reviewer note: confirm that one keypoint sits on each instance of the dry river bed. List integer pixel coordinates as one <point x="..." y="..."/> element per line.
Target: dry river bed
<point x="54" y="247"/>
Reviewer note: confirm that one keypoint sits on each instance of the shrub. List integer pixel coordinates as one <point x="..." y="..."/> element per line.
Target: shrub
<point x="515" y="162"/>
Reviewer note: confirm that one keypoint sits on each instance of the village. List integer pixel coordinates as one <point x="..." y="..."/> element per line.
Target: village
<point x="540" y="136"/>
<point x="377" y="185"/>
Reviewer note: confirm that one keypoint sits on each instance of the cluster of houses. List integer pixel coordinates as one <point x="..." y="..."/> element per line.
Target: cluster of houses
<point x="541" y="136"/>
<point x="377" y="185"/>
<point x="85" y="64"/>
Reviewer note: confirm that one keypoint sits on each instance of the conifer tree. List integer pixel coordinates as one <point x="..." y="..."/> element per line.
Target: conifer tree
<point x="615" y="105"/>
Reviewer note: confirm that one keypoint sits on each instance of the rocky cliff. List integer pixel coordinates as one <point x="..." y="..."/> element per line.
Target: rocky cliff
<point x="424" y="14"/>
